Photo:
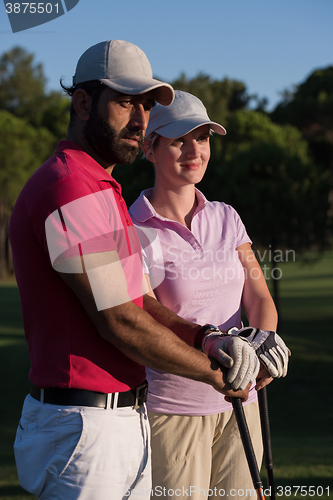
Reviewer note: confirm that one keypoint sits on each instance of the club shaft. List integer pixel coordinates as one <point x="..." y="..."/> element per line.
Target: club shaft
<point x="266" y="438"/>
<point x="247" y="444"/>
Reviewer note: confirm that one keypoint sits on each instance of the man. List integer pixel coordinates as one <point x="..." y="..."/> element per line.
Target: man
<point x="84" y="431"/>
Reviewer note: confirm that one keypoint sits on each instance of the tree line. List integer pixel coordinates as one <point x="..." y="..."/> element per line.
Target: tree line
<point x="275" y="168"/>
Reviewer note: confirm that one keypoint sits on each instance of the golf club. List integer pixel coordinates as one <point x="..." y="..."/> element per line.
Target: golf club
<point x="266" y="439"/>
<point x="248" y="447"/>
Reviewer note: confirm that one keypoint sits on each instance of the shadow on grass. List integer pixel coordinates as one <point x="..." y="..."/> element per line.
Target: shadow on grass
<point x="15" y="385"/>
<point x="9" y="485"/>
<point x="15" y="493"/>
<point x="296" y="304"/>
<point x="310" y="277"/>
<point x="15" y="336"/>
<point x="301" y="404"/>
<point x="11" y="314"/>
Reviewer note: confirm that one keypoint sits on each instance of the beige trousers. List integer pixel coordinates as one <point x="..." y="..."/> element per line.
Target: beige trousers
<point x="203" y="457"/>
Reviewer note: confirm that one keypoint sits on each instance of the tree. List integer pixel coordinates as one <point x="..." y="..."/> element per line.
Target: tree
<point x="31" y="122"/>
<point x="23" y="93"/>
<point x="310" y="108"/>
<point x="22" y="149"/>
<point x="22" y="84"/>
<point x="55" y="116"/>
<point x="220" y="97"/>
<point x="268" y="176"/>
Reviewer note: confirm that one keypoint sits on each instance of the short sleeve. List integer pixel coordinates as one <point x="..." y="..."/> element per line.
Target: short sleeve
<point x="152" y="254"/>
<point x="241" y="233"/>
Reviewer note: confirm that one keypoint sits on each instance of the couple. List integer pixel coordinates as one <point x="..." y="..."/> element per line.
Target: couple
<point x="91" y="318"/>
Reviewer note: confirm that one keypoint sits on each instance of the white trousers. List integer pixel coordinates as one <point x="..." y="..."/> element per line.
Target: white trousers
<point x="70" y="453"/>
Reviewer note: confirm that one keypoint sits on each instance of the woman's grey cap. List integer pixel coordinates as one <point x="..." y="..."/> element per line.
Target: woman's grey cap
<point x="185" y="114"/>
<point x="121" y="66"/>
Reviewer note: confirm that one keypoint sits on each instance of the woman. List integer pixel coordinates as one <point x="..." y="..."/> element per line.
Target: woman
<point x="208" y="271"/>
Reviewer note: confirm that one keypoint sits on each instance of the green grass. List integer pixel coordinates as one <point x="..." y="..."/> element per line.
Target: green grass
<point x="300" y="406"/>
<point x="15" y="364"/>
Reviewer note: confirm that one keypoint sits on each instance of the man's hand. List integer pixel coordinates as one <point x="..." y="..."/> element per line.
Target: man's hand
<point x="222" y="385"/>
<point x="234" y="353"/>
<point x="269" y="347"/>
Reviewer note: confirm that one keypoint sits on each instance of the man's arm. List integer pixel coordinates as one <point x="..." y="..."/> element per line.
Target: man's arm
<point x="135" y="332"/>
<point x="229" y="351"/>
<point x="181" y="327"/>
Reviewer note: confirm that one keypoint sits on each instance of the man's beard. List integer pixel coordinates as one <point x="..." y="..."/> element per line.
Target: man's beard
<point x="105" y="141"/>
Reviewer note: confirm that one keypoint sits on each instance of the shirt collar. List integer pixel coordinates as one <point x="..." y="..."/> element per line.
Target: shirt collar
<point x="142" y="210"/>
<point x="87" y="162"/>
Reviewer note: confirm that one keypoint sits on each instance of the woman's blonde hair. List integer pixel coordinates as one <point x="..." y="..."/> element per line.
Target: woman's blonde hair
<point x="149" y="144"/>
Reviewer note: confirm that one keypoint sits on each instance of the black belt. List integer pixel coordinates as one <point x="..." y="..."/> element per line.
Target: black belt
<point x="81" y="397"/>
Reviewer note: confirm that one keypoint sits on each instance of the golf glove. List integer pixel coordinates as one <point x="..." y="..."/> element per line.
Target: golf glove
<point x="233" y="352"/>
<point x="269" y="347"/>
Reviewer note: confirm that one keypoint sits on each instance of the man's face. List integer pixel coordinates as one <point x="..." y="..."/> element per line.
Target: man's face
<point x="116" y="127"/>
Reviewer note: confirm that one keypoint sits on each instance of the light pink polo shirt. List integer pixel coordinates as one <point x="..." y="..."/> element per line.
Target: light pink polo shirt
<point x="197" y="274"/>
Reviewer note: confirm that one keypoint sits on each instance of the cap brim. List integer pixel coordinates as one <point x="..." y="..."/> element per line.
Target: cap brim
<point x="163" y="92"/>
<point x="183" y="127"/>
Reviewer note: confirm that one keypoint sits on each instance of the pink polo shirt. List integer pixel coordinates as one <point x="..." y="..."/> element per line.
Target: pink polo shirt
<point x="72" y="207"/>
<point x="197" y="274"/>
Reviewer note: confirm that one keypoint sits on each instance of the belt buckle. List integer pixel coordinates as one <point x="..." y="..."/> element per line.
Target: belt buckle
<point x="140" y="398"/>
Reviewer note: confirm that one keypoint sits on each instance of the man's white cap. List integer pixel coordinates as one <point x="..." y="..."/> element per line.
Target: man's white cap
<point x="184" y="115"/>
<point x="121" y="66"/>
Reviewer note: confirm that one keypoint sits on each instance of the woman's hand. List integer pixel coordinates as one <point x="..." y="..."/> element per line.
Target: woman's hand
<point x="264" y="378"/>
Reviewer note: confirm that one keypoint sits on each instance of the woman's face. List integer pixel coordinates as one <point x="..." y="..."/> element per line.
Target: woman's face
<point x="182" y="161"/>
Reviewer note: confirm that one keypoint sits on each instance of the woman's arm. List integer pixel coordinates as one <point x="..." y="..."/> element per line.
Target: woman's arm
<point x="257" y="301"/>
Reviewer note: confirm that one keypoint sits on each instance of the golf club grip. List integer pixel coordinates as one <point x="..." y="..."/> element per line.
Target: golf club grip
<point x="266" y="439"/>
<point x="265" y="429"/>
<point x="247" y="443"/>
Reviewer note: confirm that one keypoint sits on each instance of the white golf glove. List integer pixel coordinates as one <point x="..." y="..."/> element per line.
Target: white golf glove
<point x="233" y="352"/>
<point x="269" y="347"/>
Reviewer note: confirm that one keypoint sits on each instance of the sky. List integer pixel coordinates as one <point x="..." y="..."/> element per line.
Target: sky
<point x="270" y="45"/>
